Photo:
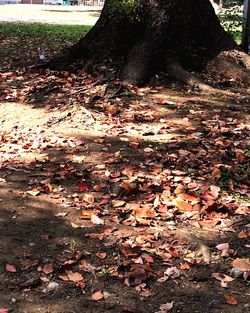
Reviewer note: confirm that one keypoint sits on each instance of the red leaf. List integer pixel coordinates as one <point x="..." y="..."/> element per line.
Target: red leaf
<point x="10" y="268"/>
<point x="82" y="186"/>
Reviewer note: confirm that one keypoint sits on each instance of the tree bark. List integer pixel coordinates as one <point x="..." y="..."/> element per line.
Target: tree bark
<point x="146" y="36"/>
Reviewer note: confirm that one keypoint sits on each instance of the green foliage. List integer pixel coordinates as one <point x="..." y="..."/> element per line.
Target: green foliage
<point x="124" y="9"/>
<point x="232" y="21"/>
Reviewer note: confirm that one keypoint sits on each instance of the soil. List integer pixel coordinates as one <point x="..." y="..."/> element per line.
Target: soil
<point x="30" y="228"/>
<point x="72" y="147"/>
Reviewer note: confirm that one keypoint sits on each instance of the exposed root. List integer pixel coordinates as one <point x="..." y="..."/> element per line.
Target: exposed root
<point x="200" y="248"/>
<point x="233" y="65"/>
<point x="176" y="71"/>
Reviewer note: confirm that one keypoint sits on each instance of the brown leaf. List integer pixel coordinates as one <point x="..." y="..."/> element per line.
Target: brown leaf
<point x="118" y="203"/>
<point x="75" y="276"/>
<point x="24" y="265"/>
<point x="48" y="188"/>
<point x="182" y="205"/>
<point x="63" y="277"/>
<point x="96" y="296"/>
<point x="230" y="299"/>
<point x="184" y="266"/>
<point x="243" y="234"/>
<point x="208" y="223"/>
<point x="48" y="268"/>
<point x="145" y="212"/>
<point x="187" y="197"/>
<point x="242" y="264"/>
<point x="101" y="255"/>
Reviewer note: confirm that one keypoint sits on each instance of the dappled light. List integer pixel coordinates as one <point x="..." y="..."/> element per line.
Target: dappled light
<point x="115" y="198"/>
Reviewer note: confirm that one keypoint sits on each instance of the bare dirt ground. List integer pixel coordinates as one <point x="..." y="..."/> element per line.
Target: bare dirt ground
<point x="27" y="13"/>
<point x="96" y="181"/>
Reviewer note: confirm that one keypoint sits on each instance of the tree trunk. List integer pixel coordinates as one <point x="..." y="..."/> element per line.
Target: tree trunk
<point x="146" y="36"/>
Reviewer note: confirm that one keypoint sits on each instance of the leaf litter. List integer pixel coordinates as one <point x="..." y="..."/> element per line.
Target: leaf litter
<point x="127" y="178"/>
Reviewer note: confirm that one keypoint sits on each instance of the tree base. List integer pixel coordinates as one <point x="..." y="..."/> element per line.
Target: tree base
<point x="162" y="38"/>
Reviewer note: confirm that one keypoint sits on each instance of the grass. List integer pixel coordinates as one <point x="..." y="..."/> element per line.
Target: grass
<point x="20" y="41"/>
<point x="52" y="34"/>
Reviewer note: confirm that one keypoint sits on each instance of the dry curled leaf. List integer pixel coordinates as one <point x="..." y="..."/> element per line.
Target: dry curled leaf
<point x="101" y="255"/>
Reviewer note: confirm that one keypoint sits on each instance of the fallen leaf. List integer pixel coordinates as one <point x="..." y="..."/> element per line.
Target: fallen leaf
<point x="48" y="268"/>
<point x="2" y="310"/>
<point x="118" y="203"/>
<point x="187" y="197"/>
<point x="75" y="276"/>
<point x="81" y="284"/>
<point x="24" y="265"/>
<point x="82" y="186"/>
<point x="243" y="234"/>
<point x="145" y="212"/>
<point x="101" y="255"/>
<point x="182" y="205"/>
<point x="223" y="246"/>
<point x="146" y="293"/>
<point x="172" y="272"/>
<point x="165" y="308"/>
<point x="184" y="266"/>
<point x="96" y="220"/>
<point x="63" y="277"/>
<point x="86" y="215"/>
<point x="224" y="279"/>
<point x="96" y="296"/>
<point x="34" y="192"/>
<point x="89" y="198"/>
<point x="242" y="264"/>
<point x="230" y="299"/>
<point x="10" y="268"/>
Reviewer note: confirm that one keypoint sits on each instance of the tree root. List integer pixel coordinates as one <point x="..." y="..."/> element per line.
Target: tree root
<point x="176" y="71"/>
<point x="233" y="65"/>
<point x="200" y="248"/>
